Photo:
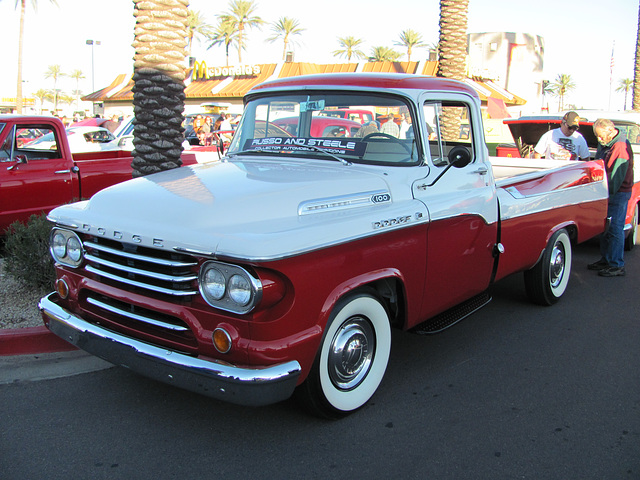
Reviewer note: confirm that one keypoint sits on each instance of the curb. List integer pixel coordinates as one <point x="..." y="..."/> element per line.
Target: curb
<point x="30" y="341"/>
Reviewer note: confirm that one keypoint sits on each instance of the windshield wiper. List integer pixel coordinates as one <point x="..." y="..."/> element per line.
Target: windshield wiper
<point x="326" y="152"/>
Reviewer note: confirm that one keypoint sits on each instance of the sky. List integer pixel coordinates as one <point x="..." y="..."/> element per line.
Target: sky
<point x="579" y="37"/>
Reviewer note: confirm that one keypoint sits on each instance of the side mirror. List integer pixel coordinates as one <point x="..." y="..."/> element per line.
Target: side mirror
<point x="459" y="156"/>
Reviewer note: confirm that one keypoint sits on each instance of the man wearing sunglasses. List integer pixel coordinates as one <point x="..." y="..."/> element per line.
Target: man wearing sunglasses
<point x="564" y="143"/>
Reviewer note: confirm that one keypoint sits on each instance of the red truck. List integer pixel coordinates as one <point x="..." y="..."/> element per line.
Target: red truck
<point x="36" y="180"/>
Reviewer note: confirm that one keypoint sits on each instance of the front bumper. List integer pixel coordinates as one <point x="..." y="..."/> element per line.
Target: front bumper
<point x="243" y="386"/>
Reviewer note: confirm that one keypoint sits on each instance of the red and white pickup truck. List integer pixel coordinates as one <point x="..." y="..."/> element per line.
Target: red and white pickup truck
<point x="284" y="267"/>
<point x="36" y="179"/>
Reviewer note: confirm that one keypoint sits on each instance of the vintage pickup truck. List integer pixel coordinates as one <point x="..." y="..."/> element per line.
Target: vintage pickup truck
<point x="284" y="267"/>
<point x="37" y="176"/>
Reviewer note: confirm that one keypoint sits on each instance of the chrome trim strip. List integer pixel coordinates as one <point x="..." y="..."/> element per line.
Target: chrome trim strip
<point x="135" y="256"/>
<point x="133" y="283"/>
<point x="135" y="316"/>
<point x="138" y="271"/>
<point x="243" y="386"/>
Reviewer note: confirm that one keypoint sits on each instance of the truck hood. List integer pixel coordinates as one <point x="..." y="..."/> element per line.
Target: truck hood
<point x="256" y="209"/>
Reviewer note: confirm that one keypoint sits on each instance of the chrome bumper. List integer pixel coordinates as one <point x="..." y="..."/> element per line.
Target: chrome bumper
<point x="243" y="386"/>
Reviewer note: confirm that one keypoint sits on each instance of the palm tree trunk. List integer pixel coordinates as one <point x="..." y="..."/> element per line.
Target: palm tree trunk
<point x="23" y="5"/>
<point x="158" y="91"/>
<point x="452" y="56"/>
<point x="636" y="75"/>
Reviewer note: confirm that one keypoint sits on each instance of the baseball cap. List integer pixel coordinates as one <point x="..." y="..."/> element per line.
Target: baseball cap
<point x="572" y="119"/>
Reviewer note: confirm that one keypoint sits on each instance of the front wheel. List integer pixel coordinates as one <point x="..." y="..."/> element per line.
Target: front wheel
<point x="547" y="281"/>
<point x="352" y="358"/>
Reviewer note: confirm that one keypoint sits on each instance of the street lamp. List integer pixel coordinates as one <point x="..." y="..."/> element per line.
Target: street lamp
<point x="92" y="43"/>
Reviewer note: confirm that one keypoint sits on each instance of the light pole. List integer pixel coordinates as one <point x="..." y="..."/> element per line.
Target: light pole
<point x="92" y="43"/>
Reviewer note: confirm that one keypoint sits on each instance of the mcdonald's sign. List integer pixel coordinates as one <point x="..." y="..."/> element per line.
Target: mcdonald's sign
<point x="201" y="72"/>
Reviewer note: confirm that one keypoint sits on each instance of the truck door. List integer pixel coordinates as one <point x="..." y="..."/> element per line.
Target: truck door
<point x="34" y="176"/>
<point x="462" y="205"/>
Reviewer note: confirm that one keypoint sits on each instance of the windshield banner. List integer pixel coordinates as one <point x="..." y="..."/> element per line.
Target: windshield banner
<point x="341" y="146"/>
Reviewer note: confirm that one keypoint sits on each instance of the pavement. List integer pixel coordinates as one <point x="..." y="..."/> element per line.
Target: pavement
<point x="34" y="353"/>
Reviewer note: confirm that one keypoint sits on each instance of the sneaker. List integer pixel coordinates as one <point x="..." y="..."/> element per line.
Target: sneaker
<point x="599" y="265"/>
<point x="612" y="272"/>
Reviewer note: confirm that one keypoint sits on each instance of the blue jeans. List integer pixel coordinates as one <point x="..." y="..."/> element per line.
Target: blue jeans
<point x="612" y="241"/>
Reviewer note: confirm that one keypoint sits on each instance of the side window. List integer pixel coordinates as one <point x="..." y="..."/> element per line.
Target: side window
<point x="5" y="148"/>
<point x="36" y="142"/>
<point x="448" y="125"/>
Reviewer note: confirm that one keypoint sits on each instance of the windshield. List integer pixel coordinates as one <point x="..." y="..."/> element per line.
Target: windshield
<point x="366" y="128"/>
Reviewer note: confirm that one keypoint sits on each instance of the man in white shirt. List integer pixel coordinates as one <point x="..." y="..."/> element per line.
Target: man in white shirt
<point x="564" y="143"/>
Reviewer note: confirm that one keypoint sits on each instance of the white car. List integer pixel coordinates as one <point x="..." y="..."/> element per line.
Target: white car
<point x="81" y="139"/>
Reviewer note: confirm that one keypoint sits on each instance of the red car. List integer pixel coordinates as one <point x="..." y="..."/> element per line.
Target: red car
<point x="321" y="126"/>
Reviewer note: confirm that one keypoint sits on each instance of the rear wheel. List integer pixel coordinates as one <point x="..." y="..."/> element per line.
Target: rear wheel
<point x="352" y="359"/>
<point x="547" y="281"/>
<point x="630" y="239"/>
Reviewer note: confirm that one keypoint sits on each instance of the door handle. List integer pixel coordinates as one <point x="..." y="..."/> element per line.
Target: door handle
<point x="482" y="170"/>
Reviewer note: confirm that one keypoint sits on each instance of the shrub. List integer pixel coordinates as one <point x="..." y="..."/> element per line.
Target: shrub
<point x="27" y="257"/>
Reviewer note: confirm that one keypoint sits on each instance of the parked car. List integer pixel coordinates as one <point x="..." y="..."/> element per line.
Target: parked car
<point x="322" y="126"/>
<point x="43" y="173"/>
<point x="80" y="139"/>
<point x="286" y="266"/>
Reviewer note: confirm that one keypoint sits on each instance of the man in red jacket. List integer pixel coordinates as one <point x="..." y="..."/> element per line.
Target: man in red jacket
<point x="615" y="150"/>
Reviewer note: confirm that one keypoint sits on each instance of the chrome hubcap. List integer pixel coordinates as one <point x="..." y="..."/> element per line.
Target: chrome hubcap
<point x="556" y="269"/>
<point x="351" y="353"/>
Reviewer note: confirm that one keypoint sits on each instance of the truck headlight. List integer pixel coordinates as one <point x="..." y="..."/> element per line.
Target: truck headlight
<point x="65" y="247"/>
<point x="229" y="287"/>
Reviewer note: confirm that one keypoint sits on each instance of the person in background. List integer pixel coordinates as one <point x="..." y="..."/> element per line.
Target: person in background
<point x="390" y="127"/>
<point x="226" y="133"/>
<point x="615" y="150"/>
<point x="564" y="143"/>
<point x="405" y="124"/>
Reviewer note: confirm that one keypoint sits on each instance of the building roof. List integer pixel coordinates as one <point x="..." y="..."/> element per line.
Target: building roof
<point x="234" y="82"/>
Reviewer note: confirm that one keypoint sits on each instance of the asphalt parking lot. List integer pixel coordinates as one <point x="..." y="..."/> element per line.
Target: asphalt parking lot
<point x="515" y="391"/>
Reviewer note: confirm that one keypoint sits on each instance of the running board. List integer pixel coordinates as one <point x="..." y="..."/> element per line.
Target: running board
<point x="452" y="316"/>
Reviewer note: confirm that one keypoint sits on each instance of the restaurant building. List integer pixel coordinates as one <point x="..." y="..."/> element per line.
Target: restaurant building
<point x="212" y="89"/>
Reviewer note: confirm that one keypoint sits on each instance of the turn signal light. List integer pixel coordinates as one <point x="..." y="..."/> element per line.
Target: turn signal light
<point x="62" y="289"/>
<point x="221" y="340"/>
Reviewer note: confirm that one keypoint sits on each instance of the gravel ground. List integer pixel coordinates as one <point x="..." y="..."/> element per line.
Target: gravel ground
<point x="18" y="305"/>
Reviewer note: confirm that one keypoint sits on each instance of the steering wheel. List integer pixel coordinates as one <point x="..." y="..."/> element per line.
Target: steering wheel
<point x="389" y="137"/>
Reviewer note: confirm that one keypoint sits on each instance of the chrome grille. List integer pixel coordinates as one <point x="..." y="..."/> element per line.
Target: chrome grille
<point x="159" y="271"/>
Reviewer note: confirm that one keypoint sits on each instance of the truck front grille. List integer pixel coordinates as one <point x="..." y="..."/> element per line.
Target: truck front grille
<point x="138" y="267"/>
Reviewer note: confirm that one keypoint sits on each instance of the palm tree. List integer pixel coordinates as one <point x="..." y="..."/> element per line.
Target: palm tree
<point x="241" y="16"/>
<point x="384" y="54"/>
<point x="452" y="47"/>
<point x="196" y="26"/>
<point x="349" y="48"/>
<point x="77" y="75"/>
<point x="560" y="87"/>
<point x="23" y="8"/>
<point x="160" y="41"/>
<point x="54" y="72"/>
<point x="224" y="34"/>
<point x="635" y="104"/>
<point x="42" y="95"/>
<point x="410" y="39"/>
<point x="625" y="85"/>
<point x="284" y="29"/>
<point x="452" y="52"/>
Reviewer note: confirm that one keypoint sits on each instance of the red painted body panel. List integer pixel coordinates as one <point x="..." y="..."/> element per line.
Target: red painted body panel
<point x="525" y="237"/>
<point x="579" y="173"/>
<point x="290" y="329"/>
